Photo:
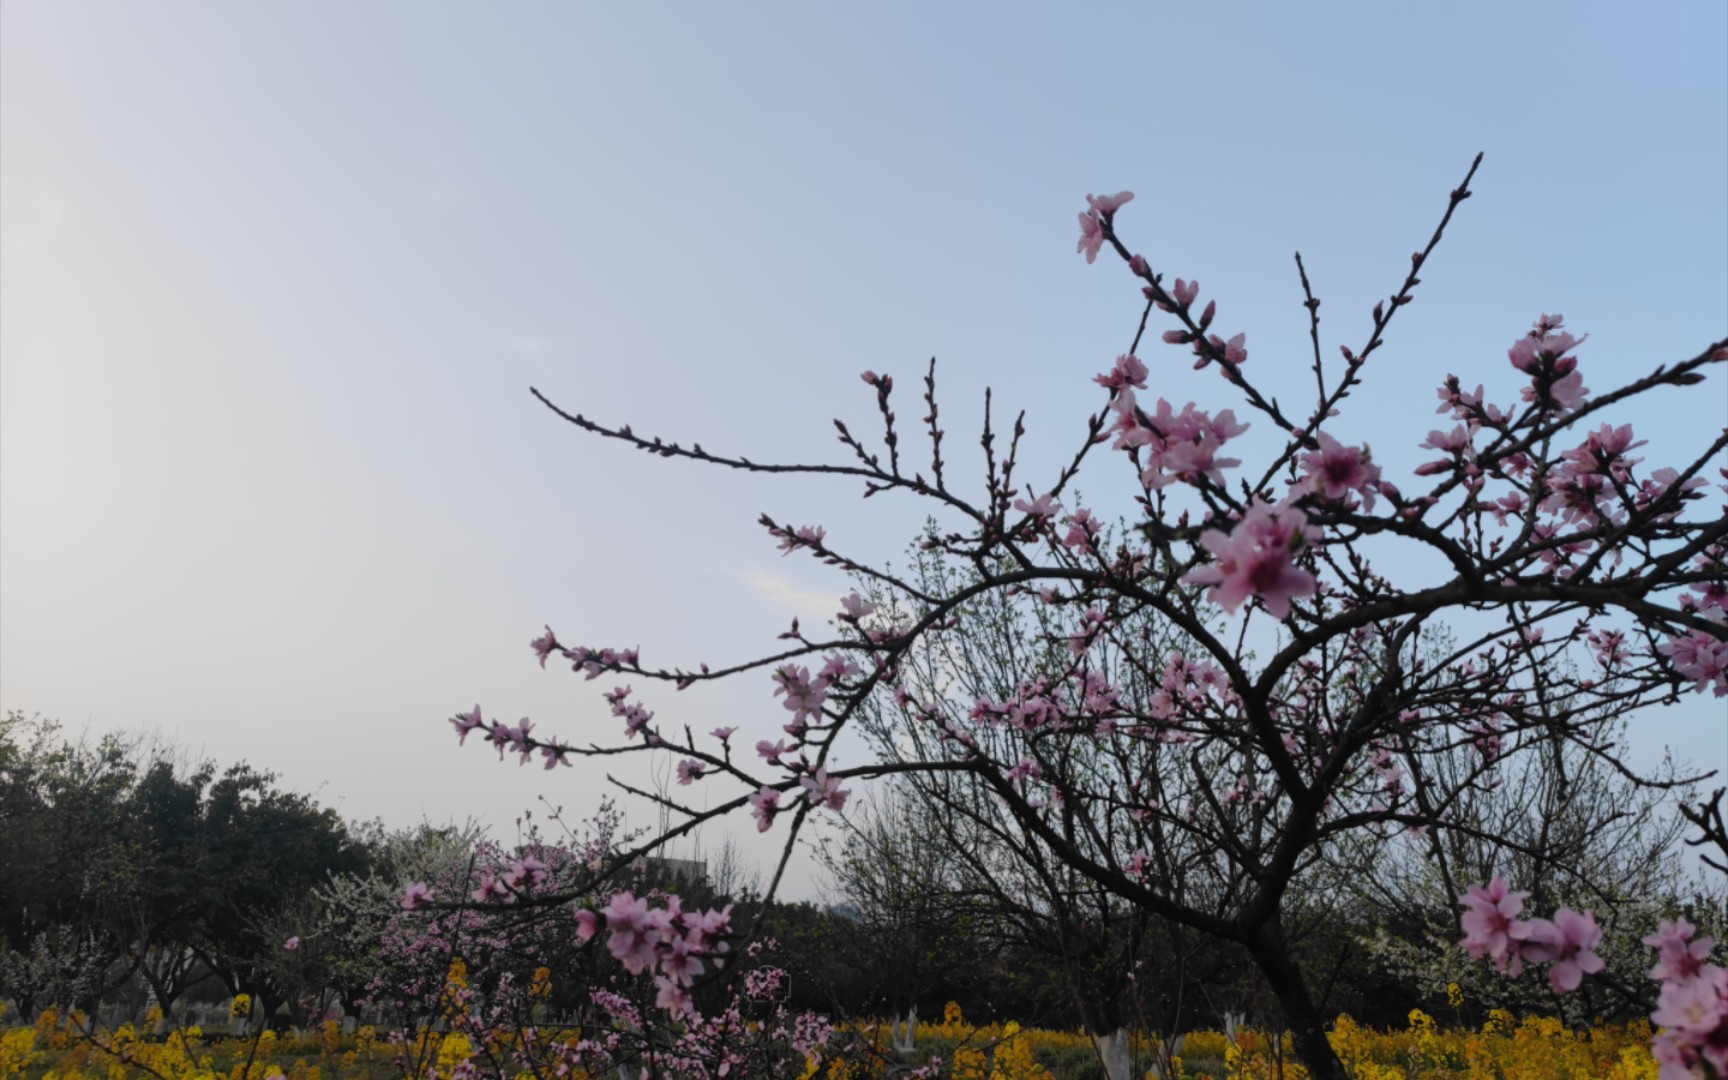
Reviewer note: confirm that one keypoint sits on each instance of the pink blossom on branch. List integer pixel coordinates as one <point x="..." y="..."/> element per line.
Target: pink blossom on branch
<point x="1103" y="209"/>
<point x="545" y="645"/>
<point x="1335" y="470"/>
<point x="763" y="806"/>
<point x="1566" y="944"/>
<point x="1678" y="956"/>
<point x="465" y="723"/>
<point x="1255" y="559"/>
<point x="1129" y="371"/>
<point x="1700" y="659"/>
<point x="1105" y="206"/>
<point x="1043" y="507"/>
<point x="824" y="790"/>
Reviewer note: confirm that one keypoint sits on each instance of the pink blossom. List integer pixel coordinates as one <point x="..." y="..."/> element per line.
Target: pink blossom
<point x="1541" y="354"/>
<point x="689" y="770"/>
<point x="1700" y="658"/>
<point x="526" y="871"/>
<point x="1235" y="352"/>
<point x="555" y="756"/>
<point x="723" y="733"/>
<point x="1565" y="944"/>
<point x="1184" y="293"/>
<point x="673" y="998"/>
<point x="700" y="927"/>
<point x="836" y="668"/>
<point x="587" y="924"/>
<point x="824" y="790"/>
<point x="490" y="888"/>
<point x="1489" y="921"/>
<point x="417" y="895"/>
<point x="545" y="645"/>
<point x="1044" y="506"/>
<point x="856" y="607"/>
<point x="1678" y="957"/>
<point x="1335" y="470"/>
<point x="1129" y="371"/>
<point x="1082" y="530"/>
<point x="466" y="722"/>
<point x="1107" y="205"/>
<point x="1180" y="446"/>
<point x="1254" y="559"/>
<point x="1103" y="209"/>
<point x="291" y="944"/>
<point x="636" y="930"/>
<point x="1091" y="236"/>
<point x="1028" y="769"/>
<point x="771" y="751"/>
<point x="679" y="963"/>
<point x="763" y="805"/>
<point x="1696" y="1010"/>
<point x="1450" y="441"/>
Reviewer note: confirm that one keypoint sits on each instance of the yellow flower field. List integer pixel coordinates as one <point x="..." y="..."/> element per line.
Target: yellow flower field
<point x="1504" y="1048"/>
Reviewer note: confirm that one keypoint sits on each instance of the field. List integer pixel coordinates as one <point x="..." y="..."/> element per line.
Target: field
<point x="1505" y="1048"/>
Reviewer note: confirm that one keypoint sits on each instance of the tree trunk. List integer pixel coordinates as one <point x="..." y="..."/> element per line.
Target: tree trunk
<point x="1306" y="1024"/>
<point x="1116" y="1054"/>
<point x="904" y="1035"/>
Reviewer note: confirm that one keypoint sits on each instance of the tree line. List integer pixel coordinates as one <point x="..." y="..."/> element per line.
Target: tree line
<point x="132" y="875"/>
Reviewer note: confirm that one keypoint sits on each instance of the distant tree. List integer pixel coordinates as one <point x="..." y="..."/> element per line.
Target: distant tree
<point x="162" y="915"/>
<point x="261" y="850"/>
<point x="68" y="864"/>
<point x="1576" y="829"/>
<point x="346" y="926"/>
<point x="911" y="924"/>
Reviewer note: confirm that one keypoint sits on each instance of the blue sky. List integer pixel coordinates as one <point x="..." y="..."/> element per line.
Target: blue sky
<point x="275" y="280"/>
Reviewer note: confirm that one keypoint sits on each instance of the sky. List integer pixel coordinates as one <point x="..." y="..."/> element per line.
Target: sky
<point x="275" y="280"/>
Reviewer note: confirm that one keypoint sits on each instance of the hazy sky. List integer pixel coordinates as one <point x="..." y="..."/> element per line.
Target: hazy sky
<point x="277" y="277"/>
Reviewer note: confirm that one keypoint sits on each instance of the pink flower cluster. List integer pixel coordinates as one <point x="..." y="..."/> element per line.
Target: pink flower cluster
<point x="669" y="942"/>
<point x="1492" y="928"/>
<point x="1700" y="658"/>
<point x="1692" y="1009"/>
<point x="1254" y="559"/>
<point x="523" y="875"/>
<point x="805" y="695"/>
<point x="1693" y="1006"/>
<point x="1179" y="445"/>
<point x="592" y="661"/>
<point x="1541" y="354"/>
<point x="824" y="790"/>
